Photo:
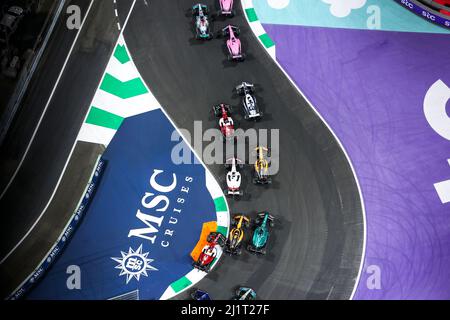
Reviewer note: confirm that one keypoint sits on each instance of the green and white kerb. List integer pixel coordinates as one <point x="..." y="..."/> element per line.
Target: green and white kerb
<point x="257" y="27"/>
<point x="122" y="94"/>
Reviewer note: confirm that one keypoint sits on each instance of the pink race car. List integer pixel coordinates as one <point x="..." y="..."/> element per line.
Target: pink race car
<point x="233" y="43"/>
<point x="226" y="8"/>
<point x="226" y="123"/>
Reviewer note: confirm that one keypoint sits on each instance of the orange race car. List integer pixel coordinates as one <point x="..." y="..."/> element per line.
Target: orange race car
<point x="239" y="222"/>
<point x="262" y="167"/>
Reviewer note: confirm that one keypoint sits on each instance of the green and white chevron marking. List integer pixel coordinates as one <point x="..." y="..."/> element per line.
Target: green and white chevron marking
<point x="122" y="94"/>
<point x="257" y="27"/>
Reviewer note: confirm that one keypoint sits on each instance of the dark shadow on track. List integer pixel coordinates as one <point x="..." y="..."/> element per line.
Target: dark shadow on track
<point x="315" y="252"/>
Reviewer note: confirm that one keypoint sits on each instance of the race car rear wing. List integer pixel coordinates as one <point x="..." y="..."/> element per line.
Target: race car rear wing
<point x="263" y="214"/>
<point x="199" y="7"/>
<point x="245" y="87"/>
<point x="226" y="32"/>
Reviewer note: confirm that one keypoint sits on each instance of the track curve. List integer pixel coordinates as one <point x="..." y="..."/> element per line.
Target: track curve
<point x="316" y="250"/>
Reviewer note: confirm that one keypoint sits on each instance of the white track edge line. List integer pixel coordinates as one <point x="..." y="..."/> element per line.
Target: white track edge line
<point x="343" y="149"/>
<point x="68" y="159"/>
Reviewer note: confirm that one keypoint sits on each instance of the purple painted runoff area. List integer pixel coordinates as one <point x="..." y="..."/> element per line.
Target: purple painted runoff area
<point x="370" y="87"/>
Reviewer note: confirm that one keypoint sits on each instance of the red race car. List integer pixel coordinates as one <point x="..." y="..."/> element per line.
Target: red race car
<point x="209" y="252"/>
<point x="226" y="123"/>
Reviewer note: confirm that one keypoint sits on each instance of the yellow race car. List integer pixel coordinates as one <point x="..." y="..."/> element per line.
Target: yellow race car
<point x="234" y="242"/>
<point x="262" y="167"/>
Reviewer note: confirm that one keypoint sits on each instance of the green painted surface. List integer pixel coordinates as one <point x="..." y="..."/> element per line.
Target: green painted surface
<point x="222" y="230"/>
<point x="266" y="40"/>
<point x="220" y="204"/>
<point x="124" y="90"/>
<point x="104" y="119"/>
<point x="121" y="54"/>
<point x="181" y="284"/>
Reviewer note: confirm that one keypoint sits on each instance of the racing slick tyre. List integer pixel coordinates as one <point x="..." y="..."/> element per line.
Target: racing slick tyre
<point x="193" y="292"/>
<point x="197" y="266"/>
<point x="209" y="238"/>
<point x="229" y="110"/>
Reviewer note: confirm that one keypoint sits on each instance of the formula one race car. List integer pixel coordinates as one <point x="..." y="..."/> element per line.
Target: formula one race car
<point x="233" y="178"/>
<point x="200" y="295"/>
<point x="236" y="236"/>
<point x="209" y="252"/>
<point x="249" y="104"/>
<point x="233" y="43"/>
<point x="226" y="8"/>
<point x="244" y="293"/>
<point x="261" y="233"/>
<point x="261" y="167"/>
<point x="201" y="22"/>
<point x="226" y="123"/>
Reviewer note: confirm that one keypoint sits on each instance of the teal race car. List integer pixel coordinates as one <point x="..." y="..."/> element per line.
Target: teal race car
<point x="261" y="234"/>
<point x="201" y="22"/>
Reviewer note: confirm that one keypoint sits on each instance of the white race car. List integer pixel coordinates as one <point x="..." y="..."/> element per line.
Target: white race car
<point x="249" y="104"/>
<point x="233" y="178"/>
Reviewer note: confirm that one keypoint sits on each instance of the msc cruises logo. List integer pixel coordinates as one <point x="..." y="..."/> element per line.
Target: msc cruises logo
<point x="134" y="264"/>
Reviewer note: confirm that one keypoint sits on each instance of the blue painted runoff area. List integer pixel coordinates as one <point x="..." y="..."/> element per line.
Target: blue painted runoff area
<point x="142" y="224"/>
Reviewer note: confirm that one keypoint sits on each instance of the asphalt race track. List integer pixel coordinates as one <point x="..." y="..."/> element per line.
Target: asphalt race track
<point x="315" y="250"/>
<point x="25" y="198"/>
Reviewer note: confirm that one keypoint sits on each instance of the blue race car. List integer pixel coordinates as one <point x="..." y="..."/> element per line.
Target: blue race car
<point x="201" y="22"/>
<point x="200" y="295"/>
<point x="261" y="234"/>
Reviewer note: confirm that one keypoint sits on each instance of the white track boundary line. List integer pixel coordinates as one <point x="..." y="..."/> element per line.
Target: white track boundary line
<point x="61" y="234"/>
<point x="363" y="257"/>
<point x="47" y="104"/>
<point x="70" y="155"/>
